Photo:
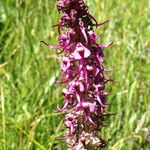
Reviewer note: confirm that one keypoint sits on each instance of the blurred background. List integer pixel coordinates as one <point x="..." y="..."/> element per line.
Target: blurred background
<point x="28" y="71"/>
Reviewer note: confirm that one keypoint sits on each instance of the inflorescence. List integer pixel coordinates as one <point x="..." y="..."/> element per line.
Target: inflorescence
<point x="83" y="72"/>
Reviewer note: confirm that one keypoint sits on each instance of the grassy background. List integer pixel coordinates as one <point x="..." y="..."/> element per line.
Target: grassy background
<point x="28" y="71"/>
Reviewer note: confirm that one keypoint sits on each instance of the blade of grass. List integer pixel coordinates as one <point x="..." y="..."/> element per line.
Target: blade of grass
<point x="3" y="117"/>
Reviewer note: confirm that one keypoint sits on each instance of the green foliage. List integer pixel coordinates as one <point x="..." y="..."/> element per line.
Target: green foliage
<point x="28" y="71"/>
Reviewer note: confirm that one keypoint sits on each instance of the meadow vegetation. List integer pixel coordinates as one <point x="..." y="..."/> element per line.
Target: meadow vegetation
<point x="29" y="70"/>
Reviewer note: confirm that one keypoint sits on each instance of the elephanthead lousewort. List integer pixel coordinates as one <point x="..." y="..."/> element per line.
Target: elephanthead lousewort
<point x="83" y="74"/>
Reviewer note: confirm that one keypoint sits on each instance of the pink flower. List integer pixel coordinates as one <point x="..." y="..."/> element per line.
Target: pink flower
<point x="80" y="52"/>
<point x="83" y="73"/>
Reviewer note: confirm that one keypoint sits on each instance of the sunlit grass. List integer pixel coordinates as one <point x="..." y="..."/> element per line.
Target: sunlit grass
<point x="28" y="71"/>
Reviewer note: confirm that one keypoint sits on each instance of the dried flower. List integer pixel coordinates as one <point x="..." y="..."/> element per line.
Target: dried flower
<point x="83" y="72"/>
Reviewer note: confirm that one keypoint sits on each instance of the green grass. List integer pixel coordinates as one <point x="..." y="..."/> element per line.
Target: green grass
<point x="28" y="71"/>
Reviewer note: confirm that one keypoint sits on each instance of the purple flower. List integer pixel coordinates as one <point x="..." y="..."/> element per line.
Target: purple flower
<point x="83" y="73"/>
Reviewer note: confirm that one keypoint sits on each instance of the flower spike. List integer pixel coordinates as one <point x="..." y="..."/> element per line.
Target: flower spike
<point x="83" y="73"/>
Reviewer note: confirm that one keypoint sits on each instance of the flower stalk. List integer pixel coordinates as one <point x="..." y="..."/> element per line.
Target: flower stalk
<point x="83" y="74"/>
